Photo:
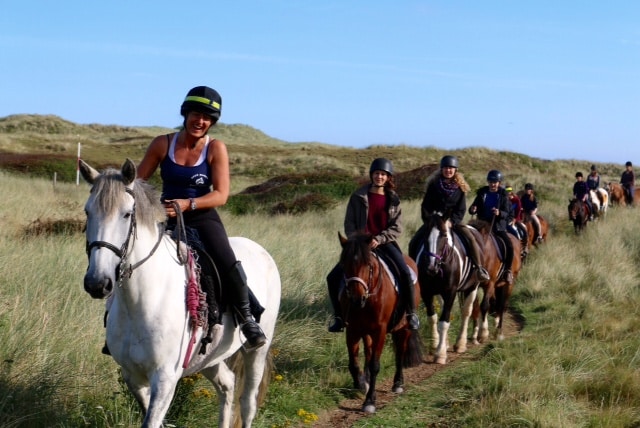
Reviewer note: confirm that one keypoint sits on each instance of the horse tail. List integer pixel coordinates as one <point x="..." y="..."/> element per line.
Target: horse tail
<point x="413" y="355"/>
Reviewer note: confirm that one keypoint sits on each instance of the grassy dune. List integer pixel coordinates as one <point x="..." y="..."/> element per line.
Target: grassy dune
<point x="574" y="364"/>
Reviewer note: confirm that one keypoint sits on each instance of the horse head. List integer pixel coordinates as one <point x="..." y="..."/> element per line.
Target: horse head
<point x="438" y="243"/>
<point x="357" y="261"/>
<point x="112" y="223"/>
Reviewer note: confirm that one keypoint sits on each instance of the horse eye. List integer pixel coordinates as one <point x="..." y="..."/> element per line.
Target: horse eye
<point x="127" y="215"/>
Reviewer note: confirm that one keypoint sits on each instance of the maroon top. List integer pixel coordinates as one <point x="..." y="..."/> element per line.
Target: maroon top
<point x="377" y="217"/>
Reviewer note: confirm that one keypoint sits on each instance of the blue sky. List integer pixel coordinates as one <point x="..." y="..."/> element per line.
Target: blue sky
<point x="551" y="79"/>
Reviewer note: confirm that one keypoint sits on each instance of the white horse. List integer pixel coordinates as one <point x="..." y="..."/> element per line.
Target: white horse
<point x="599" y="201"/>
<point x="148" y="327"/>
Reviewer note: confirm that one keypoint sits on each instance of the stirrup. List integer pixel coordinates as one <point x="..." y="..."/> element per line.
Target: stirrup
<point x="337" y="326"/>
<point x="254" y="334"/>
<point x="105" y="349"/>
<point x="413" y="320"/>
<point x="482" y="274"/>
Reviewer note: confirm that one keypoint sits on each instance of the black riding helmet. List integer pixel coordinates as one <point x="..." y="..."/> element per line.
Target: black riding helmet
<point x="449" y="161"/>
<point x="202" y="99"/>
<point x="494" y="176"/>
<point x="528" y="186"/>
<point x="578" y="174"/>
<point x="381" y="164"/>
<point x="628" y="164"/>
<point x="593" y="167"/>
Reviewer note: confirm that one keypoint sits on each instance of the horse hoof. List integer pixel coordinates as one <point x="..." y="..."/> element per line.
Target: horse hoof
<point x="440" y="360"/>
<point x="369" y="409"/>
<point x="397" y="390"/>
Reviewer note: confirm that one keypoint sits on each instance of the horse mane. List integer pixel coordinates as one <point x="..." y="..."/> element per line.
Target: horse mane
<point x="482" y="226"/>
<point x="356" y="250"/>
<point x="109" y="189"/>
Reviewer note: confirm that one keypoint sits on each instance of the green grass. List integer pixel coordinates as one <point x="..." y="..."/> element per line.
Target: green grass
<point x="574" y="364"/>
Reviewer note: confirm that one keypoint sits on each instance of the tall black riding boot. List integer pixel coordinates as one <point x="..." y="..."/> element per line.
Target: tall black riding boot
<point x="410" y="304"/>
<point x="239" y="296"/>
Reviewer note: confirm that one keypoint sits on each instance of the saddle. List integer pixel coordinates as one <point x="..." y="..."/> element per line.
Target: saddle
<point x="210" y="282"/>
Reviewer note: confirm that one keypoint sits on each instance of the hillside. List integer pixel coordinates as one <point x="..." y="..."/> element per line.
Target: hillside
<point x="293" y="177"/>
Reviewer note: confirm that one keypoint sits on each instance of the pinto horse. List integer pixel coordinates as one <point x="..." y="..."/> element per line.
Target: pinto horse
<point x="445" y="269"/>
<point x="578" y="214"/>
<point x="531" y="232"/>
<point x="599" y="201"/>
<point x="496" y="291"/>
<point x="372" y="309"/>
<point x="150" y="329"/>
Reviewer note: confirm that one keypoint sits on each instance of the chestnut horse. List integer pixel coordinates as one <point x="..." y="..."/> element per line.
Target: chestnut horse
<point x="496" y="291"/>
<point x="617" y="194"/>
<point x="578" y="214"/>
<point x="531" y="233"/>
<point x="445" y="269"/>
<point x="372" y="309"/>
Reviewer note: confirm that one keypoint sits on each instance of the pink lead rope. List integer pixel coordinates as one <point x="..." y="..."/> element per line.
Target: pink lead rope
<point x="193" y="304"/>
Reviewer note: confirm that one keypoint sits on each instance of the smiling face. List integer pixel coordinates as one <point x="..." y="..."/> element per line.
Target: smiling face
<point x="448" y="172"/>
<point x="197" y="124"/>
<point x="379" y="178"/>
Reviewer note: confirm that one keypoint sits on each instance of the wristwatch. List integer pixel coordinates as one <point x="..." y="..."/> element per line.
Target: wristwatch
<point x="192" y="205"/>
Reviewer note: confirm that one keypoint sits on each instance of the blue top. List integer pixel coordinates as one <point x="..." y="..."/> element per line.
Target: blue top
<point x="183" y="182"/>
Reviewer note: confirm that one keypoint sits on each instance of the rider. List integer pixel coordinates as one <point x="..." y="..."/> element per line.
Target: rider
<point x="195" y="174"/>
<point x="530" y="208"/>
<point x="581" y="193"/>
<point x="492" y="205"/>
<point x="375" y="208"/>
<point x="628" y="181"/>
<point x="517" y="227"/>
<point x="593" y="182"/>
<point x="446" y="193"/>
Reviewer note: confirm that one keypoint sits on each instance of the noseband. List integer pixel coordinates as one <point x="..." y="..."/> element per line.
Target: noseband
<point x="122" y="252"/>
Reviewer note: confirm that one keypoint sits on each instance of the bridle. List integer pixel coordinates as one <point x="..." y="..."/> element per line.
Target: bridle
<point x="368" y="292"/>
<point x="124" y="270"/>
<point x="446" y="249"/>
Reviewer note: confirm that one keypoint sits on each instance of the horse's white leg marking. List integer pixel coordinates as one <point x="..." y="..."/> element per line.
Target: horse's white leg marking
<point x="466" y="309"/>
<point x="440" y="356"/>
<point x="254" y="365"/>
<point x="435" y="337"/>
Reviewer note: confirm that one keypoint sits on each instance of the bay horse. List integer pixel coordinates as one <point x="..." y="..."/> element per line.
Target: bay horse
<point x="531" y="233"/>
<point x="578" y="214"/>
<point x="149" y="328"/>
<point x="372" y="309"/>
<point x="445" y="270"/>
<point x="496" y="291"/>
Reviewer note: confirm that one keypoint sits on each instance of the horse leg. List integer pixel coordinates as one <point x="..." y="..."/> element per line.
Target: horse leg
<point x="376" y="347"/>
<point x="433" y="318"/>
<point x="440" y="354"/>
<point x="353" y="347"/>
<point x="401" y="344"/>
<point x="485" y="306"/>
<point x="254" y="371"/>
<point x="163" y="385"/>
<point x="466" y="308"/>
<point x="139" y="389"/>
<point x="223" y="380"/>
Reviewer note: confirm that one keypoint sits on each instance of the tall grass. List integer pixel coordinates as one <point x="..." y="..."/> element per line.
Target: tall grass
<point x="574" y="364"/>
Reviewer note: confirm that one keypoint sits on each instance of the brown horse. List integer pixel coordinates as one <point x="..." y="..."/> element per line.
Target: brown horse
<point x="617" y="194"/>
<point x="578" y="214"/>
<point x="372" y="309"/>
<point x="531" y="233"/>
<point x="496" y="291"/>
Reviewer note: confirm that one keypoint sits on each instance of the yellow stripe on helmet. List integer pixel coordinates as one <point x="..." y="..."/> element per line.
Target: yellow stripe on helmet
<point x="203" y="100"/>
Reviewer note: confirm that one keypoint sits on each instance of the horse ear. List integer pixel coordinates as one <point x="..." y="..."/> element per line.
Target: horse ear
<point x="88" y="173"/>
<point x="342" y="239"/>
<point x="128" y="171"/>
